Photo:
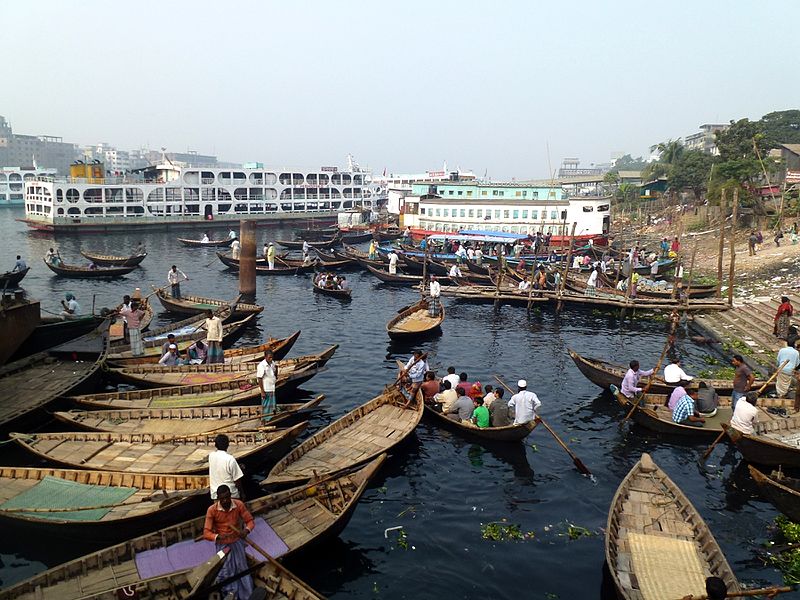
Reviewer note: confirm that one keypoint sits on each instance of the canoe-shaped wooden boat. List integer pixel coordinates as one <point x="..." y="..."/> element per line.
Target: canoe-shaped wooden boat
<point x="280" y="348"/>
<point x="357" y="437"/>
<point x="414" y="322"/>
<point x="175" y="421"/>
<point x="209" y="244"/>
<point x="316" y="234"/>
<point x="388" y="235"/>
<point x="298" y="244"/>
<point x="75" y="271"/>
<point x="116" y="332"/>
<point x="60" y="501"/>
<point x="507" y="433"/>
<point x="696" y="290"/>
<point x="34" y="382"/>
<point x="10" y="279"/>
<point x="233" y="263"/>
<point x="356" y="237"/>
<point x="416" y="266"/>
<point x="160" y="375"/>
<point x="335" y="293"/>
<point x="193" y="305"/>
<point x="657" y="544"/>
<point x="158" y="336"/>
<point x="108" y="260"/>
<point x="652" y="413"/>
<point x="782" y="491"/>
<point x="151" y="452"/>
<point x="604" y="374"/>
<point x="286" y="522"/>
<point x="774" y="443"/>
<point x="319" y="263"/>
<point x="224" y="393"/>
<point x="394" y="279"/>
<point x="53" y="331"/>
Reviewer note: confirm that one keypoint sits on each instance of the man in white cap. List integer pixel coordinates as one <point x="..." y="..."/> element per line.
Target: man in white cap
<point x="170" y="358"/>
<point x="524" y="404"/>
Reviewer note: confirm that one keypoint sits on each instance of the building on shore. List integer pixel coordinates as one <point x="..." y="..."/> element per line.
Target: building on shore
<point x="50" y="152"/>
<point x="705" y="140"/>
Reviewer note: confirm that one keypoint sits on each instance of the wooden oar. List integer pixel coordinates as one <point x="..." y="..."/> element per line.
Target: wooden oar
<point x="769" y="592"/>
<point x="710" y="449"/>
<point x="250" y="542"/>
<point x="577" y="461"/>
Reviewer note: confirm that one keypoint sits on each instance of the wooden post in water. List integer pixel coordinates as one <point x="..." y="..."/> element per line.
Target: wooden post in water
<point x="691" y="273"/>
<point x="247" y="259"/>
<point x="731" y="273"/>
<point x="723" y="202"/>
<point x="424" y="272"/>
<point x="566" y="267"/>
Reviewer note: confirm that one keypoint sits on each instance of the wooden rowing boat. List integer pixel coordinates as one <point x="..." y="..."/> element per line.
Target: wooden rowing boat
<point x="334" y="292"/>
<point x="696" y="290"/>
<point x="175" y="421"/>
<point x="657" y="544"/>
<point x="415" y="322"/>
<point x="193" y="305"/>
<point x="151" y="452"/>
<point x="774" y="443"/>
<point x="160" y="375"/>
<point x="782" y="491"/>
<point x="153" y="346"/>
<point x="209" y="244"/>
<point x="30" y="384"/>
<point x="279" y="347"/>
<point x="286" y="522"/>
<point x="116" y="332"/>
<point x="74" y="271"/>
<point x="10" y="279"/>
<point x="395" y="278"/>
<point x="233" y="263"/>
<point x="336" y="240"/>
<point x="653" y="414"/>
<point x="186" y="326"/>
<point x="108" y="260"/>
<point x="54" y="331"/>
<point x="357" y="437"/>
<point x="125" y="504"/>
<point x="604" y="374"/>
<point x="507" y="433"/>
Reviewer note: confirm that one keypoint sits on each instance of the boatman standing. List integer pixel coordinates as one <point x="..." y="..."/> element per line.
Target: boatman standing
<point x="267" y="375"/>
<point x="174" y="278"/>
<point x="236" y="249"/>
<point x="271" y="256"/>
<point x="213" y="327"/>
<point x="524" y="403"/>
<point x="306" y="248"/>
<point x="435" y="291"/>
<point x="227" y="523"/>
<point x="415" y="369"/>
<point x="133" y="315"/>
<point x="232" y="235"/>
<point x="392" y="263"/>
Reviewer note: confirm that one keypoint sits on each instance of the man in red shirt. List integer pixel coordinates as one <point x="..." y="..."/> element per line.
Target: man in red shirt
<point x="228" y="522"/>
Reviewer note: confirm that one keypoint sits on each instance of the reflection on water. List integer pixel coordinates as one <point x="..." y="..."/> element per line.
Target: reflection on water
<point x="439" y="486"/>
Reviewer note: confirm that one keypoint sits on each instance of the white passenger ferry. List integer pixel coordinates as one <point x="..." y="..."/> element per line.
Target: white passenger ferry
<point x="166" y="195"/>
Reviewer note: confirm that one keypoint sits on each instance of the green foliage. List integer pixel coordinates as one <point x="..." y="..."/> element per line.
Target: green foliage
<point x="402" y="539"/>
<point x="781" y="127"/>
<point x="628" y="163"/>
<point x="575" y="532"/>
<point x="789" y="529"/>
<point x="669" y="151"/>
<point x="737" y="145"/>
<point x="503" y="531"/>
<point x="691" y="170"/>
<point x="627" y="192"/>
<point x="788" y="560"/>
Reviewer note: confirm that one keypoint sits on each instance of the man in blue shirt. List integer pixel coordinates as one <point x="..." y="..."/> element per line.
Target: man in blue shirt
<point x="685" y="412"/>
<point x="19" y="265"/>
<point x="784" y="380"/>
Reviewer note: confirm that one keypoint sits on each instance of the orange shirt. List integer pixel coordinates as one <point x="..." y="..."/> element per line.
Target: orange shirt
<point x="219" y="521"/>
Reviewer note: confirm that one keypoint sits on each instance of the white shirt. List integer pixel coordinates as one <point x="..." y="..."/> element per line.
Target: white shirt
<point x="524" y="285"/>
<point x="305" y="246"/>
<point x="525" y="404"/>
<point x="205" y="239"/>
<point x="214" y="329"/>
<point x="470" y="253"/>
<point x="176" y="276"/>
<point x="223" y="470"/>
<point x="231" y="235"/>
<point x="455" y="271"/>
<point x="73" y="306"/>
<point x="453" y="379"/>
<point x="235" y="245"/>
<point x="266" y="373"/>
<point x="673" y="374"/>
<point x="478" y="254"/>
<point x="592" y="281"/>
<point x="488" y="399"/>
<point x="436" y="289"/>
<point x="744" y="416"/>
<point x="462" y="252"/>
<point x="417" y="371"/>
<point x="392" y="258"/>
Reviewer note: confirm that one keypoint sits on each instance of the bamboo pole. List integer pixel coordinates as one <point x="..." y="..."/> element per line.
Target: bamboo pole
<point x="691" y="273"/>
<point x="424" y="273"/>
<point x="566" y="266"/>
<point x="723" y="202"/>
<point x="530" y="289"/>
<point x="731" y="272"/>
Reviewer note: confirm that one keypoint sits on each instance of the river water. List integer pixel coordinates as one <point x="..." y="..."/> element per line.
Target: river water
<point x="438" y="486"/>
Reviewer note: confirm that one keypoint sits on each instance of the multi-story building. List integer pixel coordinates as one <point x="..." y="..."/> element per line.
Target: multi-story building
<point x="705" y="139"/>
<point x="17" y="150"/>
<point x="398" y="185"/>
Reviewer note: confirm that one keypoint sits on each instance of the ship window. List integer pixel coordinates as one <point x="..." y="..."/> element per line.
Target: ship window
<point x="240" y="208"/>
<point x="483" y="192"/>
<point x="60" y="211"/>
<point x="271" y="207"/>
<point x="460" y="193"/>
<point x="191" y="177"/>
<point x="422" y="210"/>
<point x="133" y="195"/>
<point x="239" y="177"/>
<point x="286" y="206"/>
<point x="223" y="196"/>
<point x="73" y="195"/>
<point x="518" y="194"/>
<point x="209" y="194"/>
<point x="348" y="204"/>
<point x="156" y="195"/>
<point x="505" y="214"/>
<point x="297" y="178"/>
<point x="223" y="208"/>
<point x="524" y="193"/>
<point x="256" y="178"/>
<point x="471" y="213"/>
<point x="240" y="193"/>
<point x="74" y="212"/>
<point x="516" y="214"/>
<point x="554" y="214"/>
<point x="602" y="208"/>
<point x="534" y="214"/>
<point x="494" y="192"/>
<point x="299" y="206"/>
<point x="451" y="192"/>
<point x="323" y="179"/>
<point x="535" y="195"/>
<point x="270" y="178"/>
<point x="524" y="214"/>
<point x="173" y="194"/>
<point x="224" y="178"/>
<point x="59" y="195"/>
<point x="497" y="214"/>
<point x="438" y="212"/>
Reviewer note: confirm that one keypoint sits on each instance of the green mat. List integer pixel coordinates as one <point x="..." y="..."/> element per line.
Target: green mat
<point x="52" y="492"/>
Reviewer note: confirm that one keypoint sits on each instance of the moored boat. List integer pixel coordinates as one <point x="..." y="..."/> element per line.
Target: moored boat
<point x="189" y="325"/>
<point x="151" y="452"/>
<point x="415" y="322"/>
<point x="206" y="244"/>
<point x="10" y="279"/>
<point x="357" y="437"/>
<point x="286" y="521"/>
<point x="775" y="442"/>
<point x="334" y="292"/>
<point x="506" y="433"/>
<point x="98" y="506"/>
<point x="53" y="331"/>
<point x="336" y="240"/>
<point x="108" y="260"/>
<point x="657" y="544"/>
<point x="193" y="305"/>
<point x="75" y="271"/>
<point x="782" y="491"/>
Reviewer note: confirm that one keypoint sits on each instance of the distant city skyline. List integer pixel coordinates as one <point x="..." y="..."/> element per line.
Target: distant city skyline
<point x="402" y="86"/>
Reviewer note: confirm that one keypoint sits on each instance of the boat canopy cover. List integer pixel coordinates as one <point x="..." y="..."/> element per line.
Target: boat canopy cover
<point x="489" y="238"/>
<point x="493" y="234"/>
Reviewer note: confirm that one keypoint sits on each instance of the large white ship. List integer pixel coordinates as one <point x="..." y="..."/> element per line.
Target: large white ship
<point x="167" y="195"/>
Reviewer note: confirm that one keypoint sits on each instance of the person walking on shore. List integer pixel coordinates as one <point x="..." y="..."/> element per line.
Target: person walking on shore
<point x="751" y="243"/>
<point x="174" y="278"/>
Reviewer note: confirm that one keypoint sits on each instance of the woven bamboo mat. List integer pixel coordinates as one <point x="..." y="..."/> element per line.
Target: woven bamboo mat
<point x="666" y="568"/>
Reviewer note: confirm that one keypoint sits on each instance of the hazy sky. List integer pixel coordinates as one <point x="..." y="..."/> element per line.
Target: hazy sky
<point x="402" y="85"/>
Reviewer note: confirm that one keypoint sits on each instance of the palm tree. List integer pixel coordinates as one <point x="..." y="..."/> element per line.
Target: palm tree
<point x="669" y="151"/>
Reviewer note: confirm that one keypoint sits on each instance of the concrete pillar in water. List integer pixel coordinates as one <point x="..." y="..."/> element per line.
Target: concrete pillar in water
<point x="247" y="259"/>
